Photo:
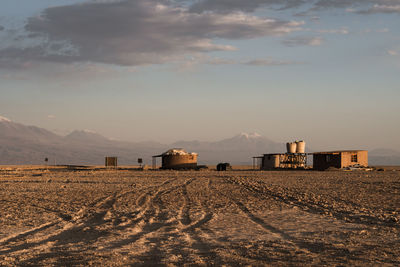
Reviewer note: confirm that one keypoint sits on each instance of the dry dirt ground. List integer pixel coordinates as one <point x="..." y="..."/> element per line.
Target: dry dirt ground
<point x="111" y="218"/>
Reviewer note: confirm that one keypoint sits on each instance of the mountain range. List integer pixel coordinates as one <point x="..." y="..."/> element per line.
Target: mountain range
<point x="22" y="144"/>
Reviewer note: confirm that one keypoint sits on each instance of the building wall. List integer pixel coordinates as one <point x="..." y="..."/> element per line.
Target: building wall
<point x="340" y="159"/>
<point x="324" y="161"/>
<point x="179" y="161"/>
<point x="270" y="162"/>
<point x="362" y="158"/>
<point x="111" y="161"/>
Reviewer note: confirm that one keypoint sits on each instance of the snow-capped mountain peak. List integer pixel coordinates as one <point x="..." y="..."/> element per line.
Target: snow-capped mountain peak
<point x="4" y="119"/>
<point x="89" y="131"/>
<point x="250" y="135"/>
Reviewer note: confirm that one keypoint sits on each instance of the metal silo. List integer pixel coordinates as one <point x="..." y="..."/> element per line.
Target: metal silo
<point x="291" y="147"/>
<point x="178" y="159"/>
<point x="300" y="147"/>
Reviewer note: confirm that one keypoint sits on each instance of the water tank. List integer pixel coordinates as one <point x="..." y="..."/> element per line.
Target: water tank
<point x="300" y="147"/>
<point x="291" y="147"/>
<point x="179" y="161"/>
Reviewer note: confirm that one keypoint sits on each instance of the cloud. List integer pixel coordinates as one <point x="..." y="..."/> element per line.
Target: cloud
<point x="193" y="61"/>
<point x="381" y="9"/>
<point x="323" y="4"/>
<point x="364" y="6"/>
<point x="51" y="116"/>
<point x="131" y="33"/>
<point x="360" y="6"/>
<point x="1" y="28"/>
<point x="383" y="30"/>
<point x="393" y="52"/>
<point x="335" y="31"/>
<point x="254" y="62"/>
<point x="303" y="41"/>
<point x="227" y="6"/>
<point x="269" y="62"/>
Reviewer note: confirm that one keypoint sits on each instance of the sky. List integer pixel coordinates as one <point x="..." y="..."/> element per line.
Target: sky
<point x="323" y="71"/>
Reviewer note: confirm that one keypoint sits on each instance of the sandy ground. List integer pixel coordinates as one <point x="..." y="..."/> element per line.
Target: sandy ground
<point x="112" y="218"/>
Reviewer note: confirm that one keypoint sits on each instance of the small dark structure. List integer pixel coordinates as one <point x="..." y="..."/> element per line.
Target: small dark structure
<point x="177" y="159"/>
<point x="340" y="159"/>
<point x="111" y="162"/>
<point x="224" y="167"/>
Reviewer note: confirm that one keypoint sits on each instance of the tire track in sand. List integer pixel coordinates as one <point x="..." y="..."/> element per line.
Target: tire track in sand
<point x="85" y="227"/>
<point x="192" y="230"/>
<point x="60" y="232"/>
<point x="221" y="251"/>
<point x="149" y="216"/>
<point x="312" y="206"/>
<point x="163" y="233"/>
<point x="314" y="248"/>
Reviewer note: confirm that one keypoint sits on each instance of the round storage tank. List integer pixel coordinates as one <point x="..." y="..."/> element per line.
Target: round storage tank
<point x="301" y="147"/>
<point x="179" y="161"/>
<point x="291" y="147"/>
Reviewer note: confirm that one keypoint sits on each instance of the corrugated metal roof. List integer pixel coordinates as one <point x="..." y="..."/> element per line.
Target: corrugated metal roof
<point x="338" y="151"/>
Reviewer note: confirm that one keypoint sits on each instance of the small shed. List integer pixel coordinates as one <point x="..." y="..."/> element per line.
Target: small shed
<point x="224" y="167"/>
<point x="111" y="162"/>
<point x="340" y="159"/>
<point x="271" y="161"/>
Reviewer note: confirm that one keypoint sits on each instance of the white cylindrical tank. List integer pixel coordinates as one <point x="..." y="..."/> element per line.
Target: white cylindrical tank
<point x="291" y="147"/>
<point x="300" y="147"/>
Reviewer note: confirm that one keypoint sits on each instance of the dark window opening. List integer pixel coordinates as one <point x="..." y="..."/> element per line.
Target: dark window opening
<point x="354" y="158"/>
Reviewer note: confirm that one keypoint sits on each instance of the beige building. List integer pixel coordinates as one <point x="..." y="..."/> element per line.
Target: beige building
<point x="340" y="159"/>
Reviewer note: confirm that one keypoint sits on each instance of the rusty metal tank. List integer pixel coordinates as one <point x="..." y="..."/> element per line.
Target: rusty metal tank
<point x="178" y="159"/>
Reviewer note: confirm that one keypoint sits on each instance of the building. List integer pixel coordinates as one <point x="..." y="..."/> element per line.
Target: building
<point x="177" y="159"/>
<point x="294" y="158"/>
<point x="111" y="162"/>
<point x="224" y="167"/>
<point x="281" y="161"/>
<point x="340" y="159"/>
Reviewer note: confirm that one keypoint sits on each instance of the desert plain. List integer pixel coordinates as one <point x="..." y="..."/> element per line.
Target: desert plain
<point x="61" y="216"/>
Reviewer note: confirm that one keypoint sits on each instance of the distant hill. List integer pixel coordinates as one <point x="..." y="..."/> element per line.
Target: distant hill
<point x="384" y="157"/>
<point x="86" y="136"/>
<point x="10" y="132"/>
<point x="22" y="144"/>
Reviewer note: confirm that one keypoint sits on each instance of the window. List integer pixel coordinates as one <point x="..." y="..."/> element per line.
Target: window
<point x="354" y="158"/>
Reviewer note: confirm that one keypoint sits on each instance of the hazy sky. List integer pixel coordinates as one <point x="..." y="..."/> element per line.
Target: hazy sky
<point x="326" y="71"/>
